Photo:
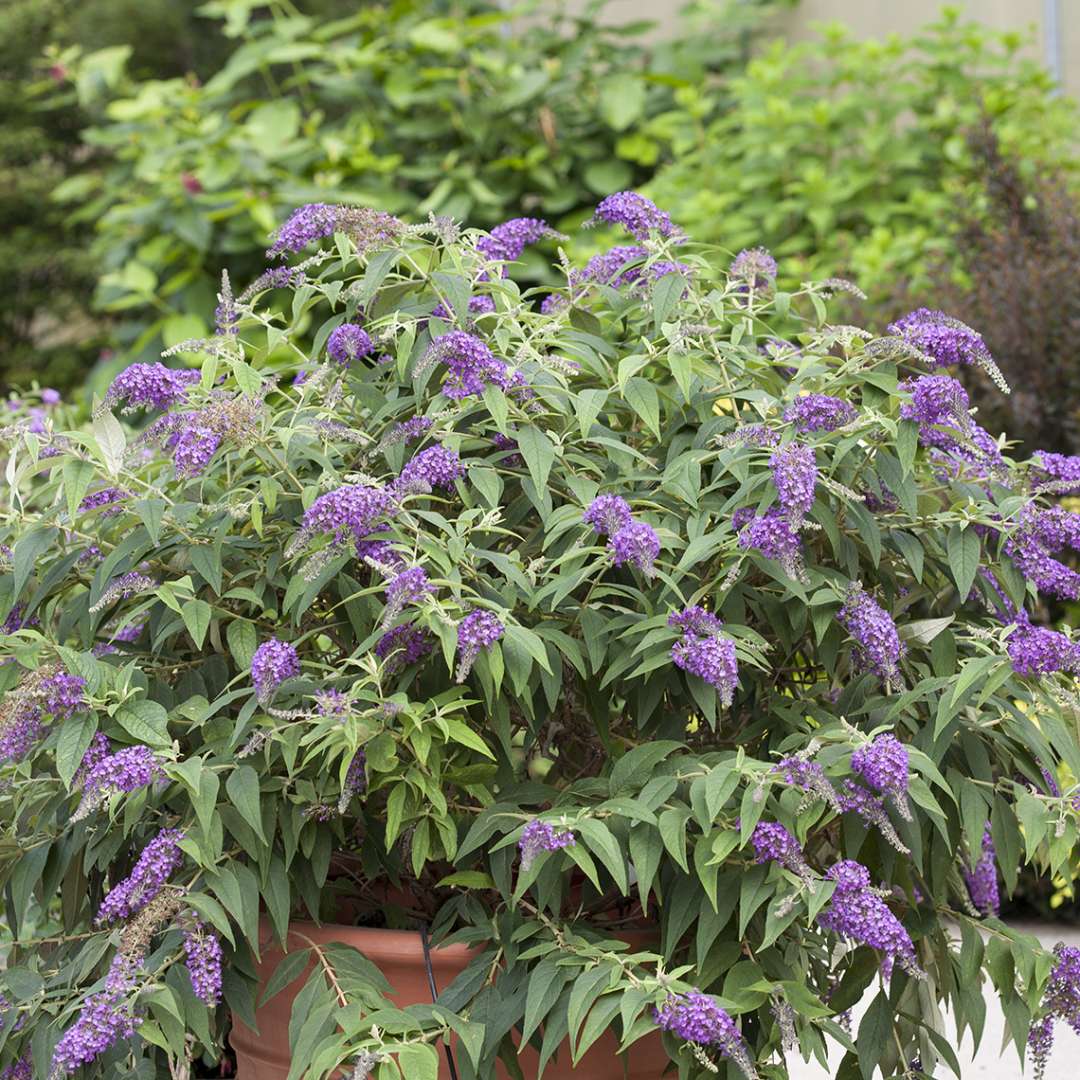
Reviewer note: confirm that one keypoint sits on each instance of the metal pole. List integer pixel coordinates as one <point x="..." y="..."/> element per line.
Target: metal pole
<point x="1052" y="39"/>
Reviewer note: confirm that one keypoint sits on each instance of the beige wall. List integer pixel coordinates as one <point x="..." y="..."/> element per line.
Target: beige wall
<point x="873" y="18"/>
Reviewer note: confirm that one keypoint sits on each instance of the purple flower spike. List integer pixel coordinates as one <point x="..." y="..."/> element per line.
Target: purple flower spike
<point x="878" y="646"/>
<point x="1060" y="470"/>
<point x="945" y="340"/>
<point x="858" y="913"/>
<point x="356" y="509"/>
<point x="202" y="954"/>
<point x="1037" y="650"/>
<point x="540" y="836"/>
<point x="981" y="879"/>
<point x="697" y="1018"/>
<point x="479" y="630"/>
<point x="1061" y="1001"/>
<point x="638" y="215"/>
<point x="883" y="765"/>
<point x="471" y="366"/>
<point x="348" y="343"/>
<point x="636" y="544"/>
<point x="508" y="240"/>
<point x="126" y="771"/>
<point x="771" y="533"/>
<point x="773" y="843"/>
<point x="756" y="267"/>
<point x="435" y="467"/>
<point x="1039" y="536"/>
<point x="107" y="1017"/>
<point x="402" y="646"/>
<point x="819" y="412"/>
<point x="157" y="863"/>
<point x="274" y="662"/>
<point x="704" y="653"/>
<point x="149" y="386"/>
<point x="794" y="472"/>
<point x="607" y="514"/>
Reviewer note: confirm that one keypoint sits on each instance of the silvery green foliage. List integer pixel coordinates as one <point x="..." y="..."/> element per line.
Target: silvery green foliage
<point x="638" y="709"/>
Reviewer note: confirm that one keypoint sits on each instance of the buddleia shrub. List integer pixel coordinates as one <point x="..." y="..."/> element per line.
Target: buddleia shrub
<point x="657" y="602"/>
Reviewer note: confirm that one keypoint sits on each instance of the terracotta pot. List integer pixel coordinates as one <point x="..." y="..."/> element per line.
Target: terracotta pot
<point x="399" y="955"/>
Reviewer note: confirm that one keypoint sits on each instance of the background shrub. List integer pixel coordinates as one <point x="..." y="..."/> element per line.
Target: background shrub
<point x="847" y="157"/>
<point x="458" y="108"/>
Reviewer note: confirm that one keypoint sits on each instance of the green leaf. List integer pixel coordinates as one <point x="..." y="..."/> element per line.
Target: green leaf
<point x="196" y="615"/>
<point x="963" y="549"/>
<point x="151" y="512"/>
<point x="599" y="840"/>
<point x="242" y="639"/>
<point x="875" y="1033"/>
<point x="28" y="550"/>
<point x="673" y="833"/>
<point x="545" y="985"/>
<point x="75" y="737"/>
<point x="77" y="477"/>
<point x="242" y="787"/>
<point x="145" y="721"/>
<point x="641" y="396"/>
<point x="666" y="293"/>
<point x="111" y="442"/>
<point x="622" y="100"/>
<point x="539" y="453"/>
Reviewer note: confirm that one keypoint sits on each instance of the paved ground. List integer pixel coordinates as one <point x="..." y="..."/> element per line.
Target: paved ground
<point x="991" y="1063"/>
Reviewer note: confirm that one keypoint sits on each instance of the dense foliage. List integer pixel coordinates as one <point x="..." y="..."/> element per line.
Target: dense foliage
<point x="657" y="600"/>
<point x="465" y="107"/>
<point x="847" y="157"/>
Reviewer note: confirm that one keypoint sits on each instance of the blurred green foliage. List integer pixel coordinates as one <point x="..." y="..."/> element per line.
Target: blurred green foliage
<point x="846" y="158"/>
<point x="458" y="108"/>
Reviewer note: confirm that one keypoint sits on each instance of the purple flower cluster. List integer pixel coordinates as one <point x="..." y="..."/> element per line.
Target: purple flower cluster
<point x="771" y="533"/>
<point x="883" y="765"/>
<point x="509" y="446"/>
<point x="479" y="630"/>
<point x="478" y="305"/>
<point x="348" y="343"/>
<point x="470" y="365"/>
<point x="759" y="435"/>
<point x="23" y="1069"/>
<point x="755" y="267"/>
<point x="416" y="427"/>
<point x="698" y="1019"/>
<point x="638" y="215"/>
<point x="107" y="1017"/>
<point x="507" y="241"/>
<point x="630" y="541"/>
<point x="541" y="836"/>
<point x="636" y="544"/>
<point x="773" y="843"/>
<point x="945" y="340"/>
<point x="355" y="778"/>
<point x="15" y="620"/>
<point x="1060" y="470"/>
<point x="316" y="221"/>
<point x="940" y="406"/>
<point x="273" y="662"/>
<point x="617" y="267"/>
<point x="1061" y="1001"/>
<point x="878" y="646"/>
<point x="794" y="473"/>
<point x="854" y="798"/>
<point x="357" y="509"/>
<point x="408" y="587"/>
<point x="107" y="499"/>
<point x="607" y="514"/>
<point x="1039" y="535"/>
<point x="981" y="878"/>
<point x="20" y="731"/>
<point x="63" y="694"/>
<point x="858" y="913"/>
<point x="703" y="652"/>
<point x="193" y="448"/>
<point x="304" y="226"/>
<point x="819" y="412"/>
<point x="156" y="864"/>
<point x="202" y="955"/>
<point x="434" y="467"/>
<point x="151" y="386"/>
<point x="126" y="771"/>
<point x="809" y="777"/>
<point x="1038" y="650"/>
<point x="402" y="646"/>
